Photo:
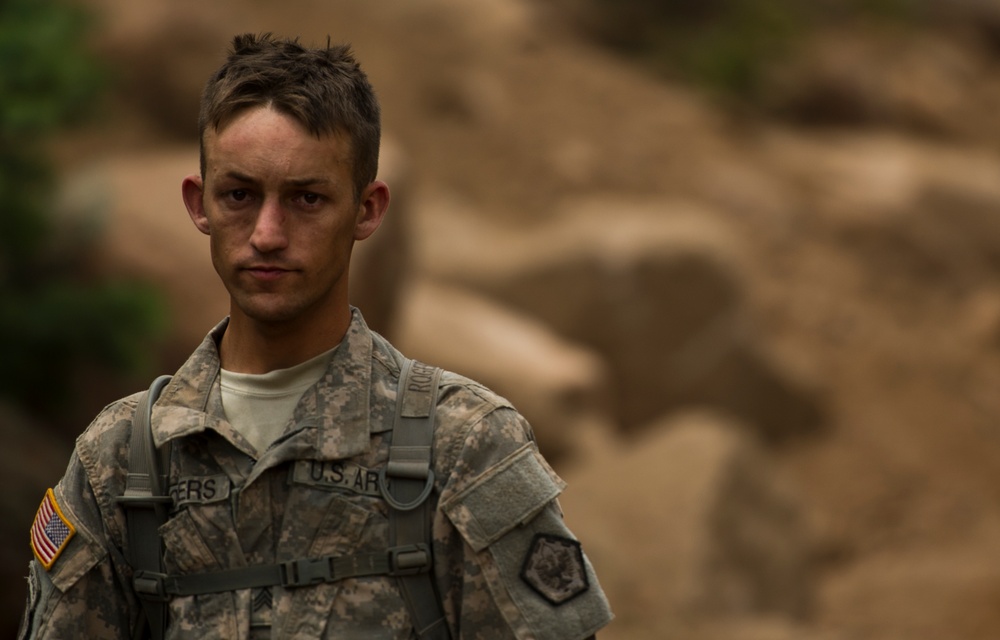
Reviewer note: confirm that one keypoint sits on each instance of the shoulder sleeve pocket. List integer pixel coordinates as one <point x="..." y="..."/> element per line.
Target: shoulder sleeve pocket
<point x="82" y="555"/>
<point x="510" y="494"/>
<point x="533" y="567"/>
<point x="61" y="543"/>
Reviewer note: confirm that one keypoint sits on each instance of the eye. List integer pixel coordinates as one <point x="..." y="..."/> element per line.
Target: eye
<point x="233" y="197"/>
<point x="309" y="199"/>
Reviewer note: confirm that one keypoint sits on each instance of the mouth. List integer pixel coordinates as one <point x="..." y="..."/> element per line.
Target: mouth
<point x="265" y="272"/>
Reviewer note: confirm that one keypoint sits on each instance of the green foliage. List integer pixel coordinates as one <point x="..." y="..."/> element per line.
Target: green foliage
<point x="46" y="80"/>
<point x="725" y="45"/>
<point x="51" y="319"/>
<point x="47" y="331"/>
<point x="728" y="54"/>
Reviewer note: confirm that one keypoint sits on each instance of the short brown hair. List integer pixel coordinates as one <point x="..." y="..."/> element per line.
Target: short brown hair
<point x="323" y="88"/>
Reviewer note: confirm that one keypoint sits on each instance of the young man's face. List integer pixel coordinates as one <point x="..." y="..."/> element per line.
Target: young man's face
<point x="279" y="205"/>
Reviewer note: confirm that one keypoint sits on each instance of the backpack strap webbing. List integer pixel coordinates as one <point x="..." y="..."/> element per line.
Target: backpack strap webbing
<point x="145" y="503"/>
<point x="406" y="482"/>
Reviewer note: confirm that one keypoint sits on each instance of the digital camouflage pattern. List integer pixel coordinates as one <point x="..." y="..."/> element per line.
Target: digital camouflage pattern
<point x="311" y="494"/>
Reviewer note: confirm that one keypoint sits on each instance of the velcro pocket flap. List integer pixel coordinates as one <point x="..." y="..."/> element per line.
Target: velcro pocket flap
<point x="511" y="493"/>
<point x="81" y="554"/>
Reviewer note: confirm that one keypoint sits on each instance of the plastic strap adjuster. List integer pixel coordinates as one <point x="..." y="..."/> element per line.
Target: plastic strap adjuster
<point x="151" y="586"/>
<point x="409" y="560"/>
<point x="302" y="573"/>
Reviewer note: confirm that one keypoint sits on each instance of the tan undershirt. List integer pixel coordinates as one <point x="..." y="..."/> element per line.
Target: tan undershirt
<point x="259" y="406"/>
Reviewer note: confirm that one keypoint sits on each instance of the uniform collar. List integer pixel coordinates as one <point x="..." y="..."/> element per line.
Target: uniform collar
<point x="331" y="420"/>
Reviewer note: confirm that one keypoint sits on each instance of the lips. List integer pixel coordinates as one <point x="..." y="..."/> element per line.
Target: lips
<point x="267" y="272"/>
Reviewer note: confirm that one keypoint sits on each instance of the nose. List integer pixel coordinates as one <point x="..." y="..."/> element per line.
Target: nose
<point x="269" y="233"/>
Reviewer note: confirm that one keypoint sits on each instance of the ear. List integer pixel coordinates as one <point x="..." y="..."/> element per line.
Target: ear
<point x="373" y="204"/>
<point x="193" y="192"/>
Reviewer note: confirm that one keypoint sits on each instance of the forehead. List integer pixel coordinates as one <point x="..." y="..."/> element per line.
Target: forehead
<point x="265" y="137"/>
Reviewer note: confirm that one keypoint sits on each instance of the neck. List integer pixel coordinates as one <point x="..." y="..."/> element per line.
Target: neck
<point x="250" y="346"/>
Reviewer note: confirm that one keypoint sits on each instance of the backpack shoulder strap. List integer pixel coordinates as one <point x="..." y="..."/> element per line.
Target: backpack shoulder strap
<point x="145" y="502"/>
<point x="410" y="480"/>
<point x="406" y="482"/>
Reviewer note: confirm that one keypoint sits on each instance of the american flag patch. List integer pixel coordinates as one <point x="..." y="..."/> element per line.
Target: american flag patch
<point x="50" y="531"/>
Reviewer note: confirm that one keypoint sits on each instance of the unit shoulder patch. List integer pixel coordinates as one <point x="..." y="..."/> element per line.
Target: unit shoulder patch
<point x="555" y="569"/>
<point x="51" y="531"/>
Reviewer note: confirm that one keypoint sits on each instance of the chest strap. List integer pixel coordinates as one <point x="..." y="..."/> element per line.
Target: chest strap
<point x="397" y="561"/>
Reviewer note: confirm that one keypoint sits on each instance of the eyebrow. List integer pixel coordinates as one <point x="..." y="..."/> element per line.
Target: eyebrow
<point x="297" y="182"/>
<point x="308" y="182"/>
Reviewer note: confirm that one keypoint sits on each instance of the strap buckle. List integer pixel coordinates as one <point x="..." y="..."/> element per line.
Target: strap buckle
<point x="409" y="560"/>
<point x="302" y="573"/>
<point x="150" y="585"/>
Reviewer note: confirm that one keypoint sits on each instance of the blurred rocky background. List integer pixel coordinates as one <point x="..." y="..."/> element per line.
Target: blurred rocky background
<point x="738" y="261"/>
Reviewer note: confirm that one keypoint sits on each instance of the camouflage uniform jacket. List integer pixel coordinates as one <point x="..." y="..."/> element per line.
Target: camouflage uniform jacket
<point x="500" y="546"/>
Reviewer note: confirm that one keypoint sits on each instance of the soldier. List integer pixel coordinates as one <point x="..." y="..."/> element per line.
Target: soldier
<point x="279" y="427"/>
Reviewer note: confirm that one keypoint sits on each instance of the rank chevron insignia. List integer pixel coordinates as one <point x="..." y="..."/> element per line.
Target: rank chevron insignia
<point x="50" y="532"/>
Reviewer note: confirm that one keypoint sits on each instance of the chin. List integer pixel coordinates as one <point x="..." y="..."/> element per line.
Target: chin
<point x="274" y="316"/>
<point x="268" y="314"/>
<point x="271" y="309"/>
